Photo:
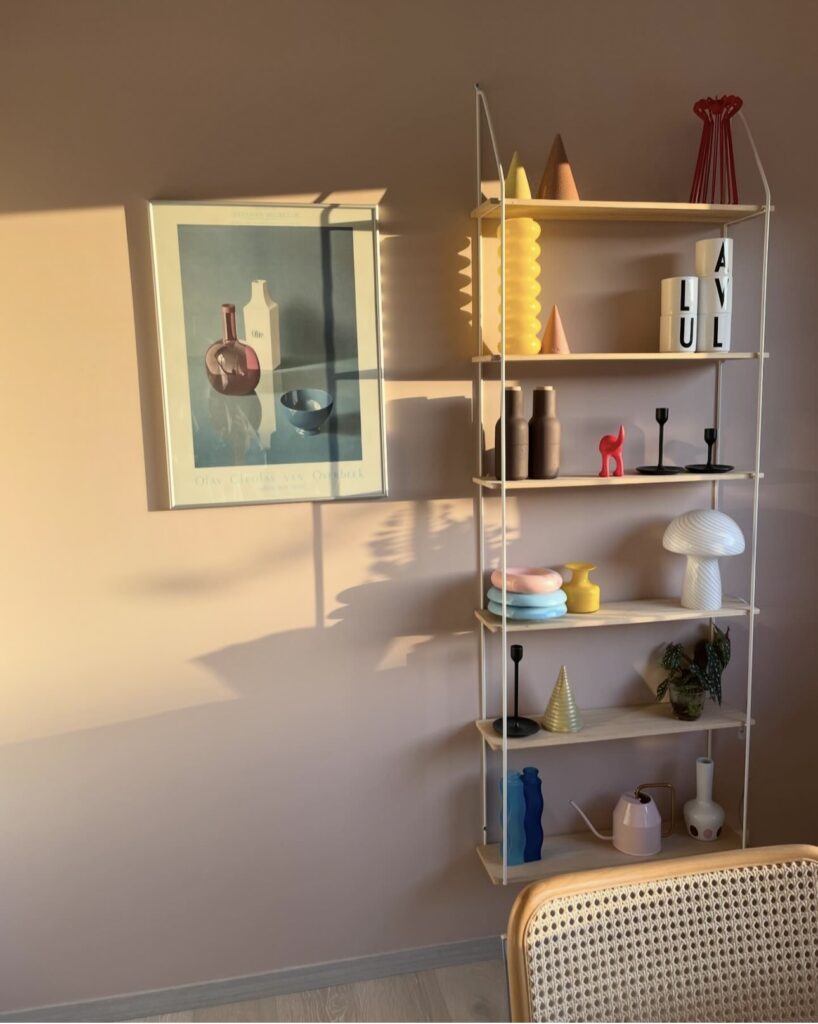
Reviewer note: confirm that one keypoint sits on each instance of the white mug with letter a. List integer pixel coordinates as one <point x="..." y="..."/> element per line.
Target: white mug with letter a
<point x="714" y="332"/>
<point x="677" y="332"/>
<point x="714" y="257"/>
<point x="715" y="295"/>
<point x="679" y="295"/>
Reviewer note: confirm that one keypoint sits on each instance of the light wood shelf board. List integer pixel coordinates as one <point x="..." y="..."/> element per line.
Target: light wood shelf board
<point x="622" y="723"/>
<point x="581" y="851"/>
<point x="621" y="613"/>
<point x="589" y="480"/>
<point x="616" y="357"/>
<point x="602" y="210"/>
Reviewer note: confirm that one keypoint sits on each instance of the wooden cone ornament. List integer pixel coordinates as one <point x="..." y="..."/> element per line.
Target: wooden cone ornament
<point x="553" y="338"/>
<point x="557" y="180"/>
<point x="562" y="714"/>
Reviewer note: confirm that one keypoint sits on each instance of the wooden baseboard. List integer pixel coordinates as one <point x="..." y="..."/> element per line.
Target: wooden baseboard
<point x="272" y="983"/>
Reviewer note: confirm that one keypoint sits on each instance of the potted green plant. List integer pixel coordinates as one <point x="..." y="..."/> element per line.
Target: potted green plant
<point x="690" y="680"/>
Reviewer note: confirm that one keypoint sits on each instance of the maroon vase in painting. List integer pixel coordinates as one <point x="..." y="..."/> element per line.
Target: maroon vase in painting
<point x="232" y="367"/>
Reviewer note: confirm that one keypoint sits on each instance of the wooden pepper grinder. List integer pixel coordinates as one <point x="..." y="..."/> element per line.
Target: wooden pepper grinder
<point x="516" y="438"/>
<point x="544" y="435"/>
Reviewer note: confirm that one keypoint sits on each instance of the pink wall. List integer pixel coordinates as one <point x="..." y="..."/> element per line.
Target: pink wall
<point x="240" y="739"/>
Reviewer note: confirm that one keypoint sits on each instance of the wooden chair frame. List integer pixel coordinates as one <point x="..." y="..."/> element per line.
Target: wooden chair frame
<point x="531" y="899"/>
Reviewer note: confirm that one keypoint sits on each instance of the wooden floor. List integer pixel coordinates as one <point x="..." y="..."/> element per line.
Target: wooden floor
<point x="473" y="992"/>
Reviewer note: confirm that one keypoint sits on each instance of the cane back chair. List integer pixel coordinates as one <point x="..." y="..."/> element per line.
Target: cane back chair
<point x="719" y="937"/>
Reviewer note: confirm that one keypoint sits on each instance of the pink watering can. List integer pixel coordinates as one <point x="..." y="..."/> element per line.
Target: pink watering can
<point x="637" y="824"/>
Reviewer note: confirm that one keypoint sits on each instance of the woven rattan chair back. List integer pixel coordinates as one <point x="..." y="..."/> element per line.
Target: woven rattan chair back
<point x="720" y="937"/>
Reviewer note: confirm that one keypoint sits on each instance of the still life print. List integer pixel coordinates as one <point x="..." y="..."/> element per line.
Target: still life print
<point x="270" y="347"/>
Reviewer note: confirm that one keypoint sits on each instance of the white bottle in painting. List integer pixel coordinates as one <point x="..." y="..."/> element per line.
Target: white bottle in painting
<point x="261" y="328"/>
<point x="703" y="817"/>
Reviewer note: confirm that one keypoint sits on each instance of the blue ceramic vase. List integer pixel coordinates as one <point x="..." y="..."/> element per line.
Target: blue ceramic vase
<point x="516" y="817"/>
<point x="532" y="821"/>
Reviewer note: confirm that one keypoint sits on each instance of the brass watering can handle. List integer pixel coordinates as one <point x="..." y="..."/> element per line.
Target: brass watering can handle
<point x="663" y="785"/>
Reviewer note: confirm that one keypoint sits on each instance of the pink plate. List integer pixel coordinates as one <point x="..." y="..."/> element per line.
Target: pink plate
<point x="528" y="581"/>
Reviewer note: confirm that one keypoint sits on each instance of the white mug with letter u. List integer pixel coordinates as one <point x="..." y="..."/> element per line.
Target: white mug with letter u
<point x="715" y="295"/>
<point x="714" y="257"/>
<point x="714" y="332"/>
<point x="680" y="295"/>
<point x="677" y="332"/>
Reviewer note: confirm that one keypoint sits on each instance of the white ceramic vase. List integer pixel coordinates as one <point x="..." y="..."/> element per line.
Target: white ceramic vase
<point x="703" y="817"/>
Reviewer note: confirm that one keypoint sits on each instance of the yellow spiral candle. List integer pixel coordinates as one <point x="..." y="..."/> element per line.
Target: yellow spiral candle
<point x="522" y="271"/>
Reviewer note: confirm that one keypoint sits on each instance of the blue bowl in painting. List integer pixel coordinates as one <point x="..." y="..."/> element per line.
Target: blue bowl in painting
<point x="308" y="409"/>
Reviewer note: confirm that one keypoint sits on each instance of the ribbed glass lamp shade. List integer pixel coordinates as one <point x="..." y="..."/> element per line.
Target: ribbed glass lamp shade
<point x="704" y="535"/>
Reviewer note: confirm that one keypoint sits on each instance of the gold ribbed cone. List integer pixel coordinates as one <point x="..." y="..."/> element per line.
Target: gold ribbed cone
<point x="562" y="714"/>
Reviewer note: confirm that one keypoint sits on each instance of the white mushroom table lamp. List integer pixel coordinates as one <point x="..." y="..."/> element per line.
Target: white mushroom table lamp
<point x="704" y="536"/>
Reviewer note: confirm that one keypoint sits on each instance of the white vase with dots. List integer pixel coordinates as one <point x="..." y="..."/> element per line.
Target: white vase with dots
<point x="703" y="817"/>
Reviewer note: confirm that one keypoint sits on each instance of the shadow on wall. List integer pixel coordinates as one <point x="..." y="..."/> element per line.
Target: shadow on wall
<point x="380" y="675"/>
<point x="395" y="614"/>
<point x="425" y="295"/>
<point x="430" y="446"/>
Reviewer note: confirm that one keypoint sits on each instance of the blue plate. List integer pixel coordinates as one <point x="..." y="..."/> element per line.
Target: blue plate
<point x="552" y="600"/>
<point x="528" y="614"/>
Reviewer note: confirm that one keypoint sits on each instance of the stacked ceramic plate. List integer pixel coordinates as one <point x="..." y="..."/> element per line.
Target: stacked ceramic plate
<point x="532" y="595"/>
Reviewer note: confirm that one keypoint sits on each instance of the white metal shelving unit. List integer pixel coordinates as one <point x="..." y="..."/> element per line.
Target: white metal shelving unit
<point x="578" y="851"/>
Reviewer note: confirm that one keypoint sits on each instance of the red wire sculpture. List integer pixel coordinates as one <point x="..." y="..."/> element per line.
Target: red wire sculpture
<point x="715" y="168"/>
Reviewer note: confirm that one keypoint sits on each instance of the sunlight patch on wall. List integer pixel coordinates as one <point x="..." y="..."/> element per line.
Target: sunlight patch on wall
<point x="361" y="196"/>
<point x="111" y="604"/>
<point x="491" y="188"/>
<point x="398" y="651"/>
<point x="364" y="196"/>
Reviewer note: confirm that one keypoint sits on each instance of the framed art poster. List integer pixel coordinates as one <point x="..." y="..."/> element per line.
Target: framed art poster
<point x="270" y="350"/>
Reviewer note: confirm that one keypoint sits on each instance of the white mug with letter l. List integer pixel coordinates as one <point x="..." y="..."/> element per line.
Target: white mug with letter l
<point x="680" y="295"/>
<point x="714" y="332"/>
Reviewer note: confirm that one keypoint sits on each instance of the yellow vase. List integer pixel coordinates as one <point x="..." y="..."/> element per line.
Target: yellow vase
<point x="582" y="594"/>
<point x="522" y="272"/>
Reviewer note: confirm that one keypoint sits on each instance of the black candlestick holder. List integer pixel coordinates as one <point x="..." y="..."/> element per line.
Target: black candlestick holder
<point x="516" y="727"/>
<point x="660" y="469"/>
<point x="710" y="436"/>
